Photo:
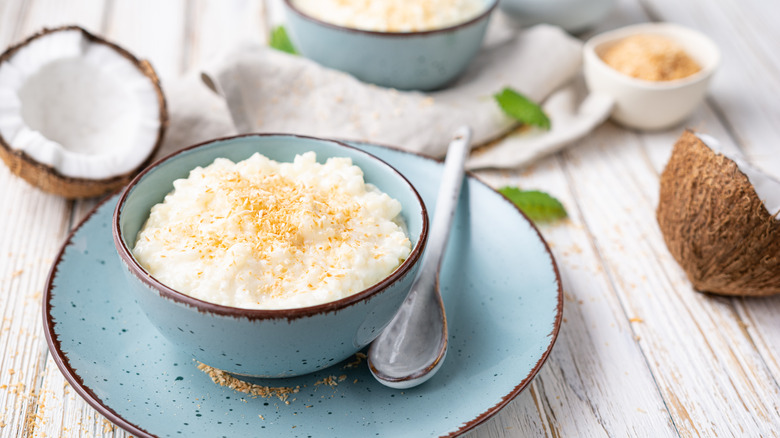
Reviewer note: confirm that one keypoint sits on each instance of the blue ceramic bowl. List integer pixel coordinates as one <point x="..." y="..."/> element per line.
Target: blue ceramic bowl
<point x="424" y="61"/>
<point x="267" y="343"/>
<point x="572" y="15"/>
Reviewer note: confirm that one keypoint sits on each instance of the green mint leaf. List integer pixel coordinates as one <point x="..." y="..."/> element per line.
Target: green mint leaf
<point x="280" y="41"/>
<point x="521" y="108"/>
<point x="538" y="206"/>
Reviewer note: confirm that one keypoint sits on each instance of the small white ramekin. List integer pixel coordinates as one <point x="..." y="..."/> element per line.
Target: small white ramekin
<point x="651" y="105"/>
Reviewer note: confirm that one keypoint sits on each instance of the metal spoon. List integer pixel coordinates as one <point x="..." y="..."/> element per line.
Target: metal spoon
<point x="412" y="348"/>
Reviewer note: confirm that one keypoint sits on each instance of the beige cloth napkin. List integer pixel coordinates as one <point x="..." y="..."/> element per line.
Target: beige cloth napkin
<point x="268" y="91"/>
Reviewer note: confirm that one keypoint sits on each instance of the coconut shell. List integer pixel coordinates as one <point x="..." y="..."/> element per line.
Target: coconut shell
<point x="47" y="178"/>
<point x="715" y="225"/>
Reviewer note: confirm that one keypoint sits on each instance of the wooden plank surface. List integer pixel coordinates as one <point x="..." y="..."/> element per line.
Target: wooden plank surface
<point x="745" y="88"/>
<point x="639" y="353"/>
<point x="34" y="225"/>
<point x="682" y="333"/>
<point x="588" y="391"/>
<point x="744" y="98"/>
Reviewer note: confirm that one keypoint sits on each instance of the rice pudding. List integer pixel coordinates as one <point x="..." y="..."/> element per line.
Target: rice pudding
<point x="261" y="234"/>
<point x="392" y="15"/>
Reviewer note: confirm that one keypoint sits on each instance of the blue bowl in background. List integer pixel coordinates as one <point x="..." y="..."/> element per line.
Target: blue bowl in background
<point x="266" y="343"/>
<point x="572" y="15"/>
<point x="424" y="60"/>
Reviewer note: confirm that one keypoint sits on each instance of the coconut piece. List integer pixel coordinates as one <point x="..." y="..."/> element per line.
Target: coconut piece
<point x="79" y="116"/>
<point x="715" y="224"/>
<point x="766" y="187"/>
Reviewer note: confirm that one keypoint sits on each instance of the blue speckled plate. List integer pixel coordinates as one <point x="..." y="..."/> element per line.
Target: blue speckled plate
<point x="503" y="298"/>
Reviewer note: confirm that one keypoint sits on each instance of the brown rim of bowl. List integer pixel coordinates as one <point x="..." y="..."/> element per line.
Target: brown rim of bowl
<point x="482" y="15"/>
<point x="70" y="375"/>
<point x="258" y="314"/>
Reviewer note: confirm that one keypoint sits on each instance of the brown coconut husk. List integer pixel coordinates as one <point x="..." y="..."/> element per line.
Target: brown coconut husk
<point x="46" y="177"/>
<point x="715" y="225"/>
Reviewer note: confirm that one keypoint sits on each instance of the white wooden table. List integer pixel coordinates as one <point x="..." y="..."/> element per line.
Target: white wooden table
<point x="639" y="353"/>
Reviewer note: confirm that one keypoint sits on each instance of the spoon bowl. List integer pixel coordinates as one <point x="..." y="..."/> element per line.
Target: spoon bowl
<point x="411" y="349"/>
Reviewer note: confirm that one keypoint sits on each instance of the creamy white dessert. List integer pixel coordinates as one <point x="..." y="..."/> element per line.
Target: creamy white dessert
<point x="392" y="15"/>
<point x="261" y="234"/>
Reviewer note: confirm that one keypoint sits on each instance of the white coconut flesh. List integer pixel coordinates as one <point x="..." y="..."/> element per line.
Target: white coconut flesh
<point x="767" y="188"/>
<point x="78" y="106"/>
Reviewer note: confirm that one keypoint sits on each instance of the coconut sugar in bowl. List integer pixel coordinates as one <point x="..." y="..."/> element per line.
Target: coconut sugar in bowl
<point x="280" y="338"/>
<point x="656" y="73"/>
<point x="403" y="44"/>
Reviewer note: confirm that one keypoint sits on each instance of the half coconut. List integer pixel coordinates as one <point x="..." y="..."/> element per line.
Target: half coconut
<point x="720" y="219"/>
<point x="79" y="116"/>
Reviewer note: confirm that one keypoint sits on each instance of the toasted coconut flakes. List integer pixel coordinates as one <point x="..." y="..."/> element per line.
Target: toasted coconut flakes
<point x="226" y="379"/>
<point x="359" y="357"/>
<point x="651" y="57"/>
<point x="264" y="222"/>
<point x="330" y="381"/>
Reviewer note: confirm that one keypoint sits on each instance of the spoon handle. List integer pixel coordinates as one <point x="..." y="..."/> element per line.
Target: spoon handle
<point x="447" y="200"/>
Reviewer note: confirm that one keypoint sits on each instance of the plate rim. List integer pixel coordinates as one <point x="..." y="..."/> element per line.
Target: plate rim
<point x="60" y="359"/>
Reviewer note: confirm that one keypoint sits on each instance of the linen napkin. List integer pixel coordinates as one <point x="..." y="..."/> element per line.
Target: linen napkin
<point x="269" y="91"/>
